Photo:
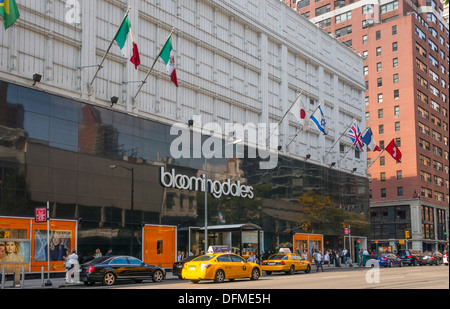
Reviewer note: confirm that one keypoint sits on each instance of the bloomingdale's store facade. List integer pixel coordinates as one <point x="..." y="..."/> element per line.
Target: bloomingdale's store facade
<point x="62" y="151"/>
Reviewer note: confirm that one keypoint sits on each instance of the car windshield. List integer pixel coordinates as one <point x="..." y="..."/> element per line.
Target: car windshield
<point x="279" y="257"/>
<point x="204" y="258"/>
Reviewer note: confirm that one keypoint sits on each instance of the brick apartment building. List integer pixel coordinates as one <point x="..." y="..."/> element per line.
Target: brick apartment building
<point x="405" y="44"/>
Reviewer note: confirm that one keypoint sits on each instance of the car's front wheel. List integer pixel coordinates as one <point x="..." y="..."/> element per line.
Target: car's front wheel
<point x="109" y="279"/>
<point x="255" y="274"/>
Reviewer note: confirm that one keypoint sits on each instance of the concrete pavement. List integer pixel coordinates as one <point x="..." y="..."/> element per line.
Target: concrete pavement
<point x="57" y="280"/>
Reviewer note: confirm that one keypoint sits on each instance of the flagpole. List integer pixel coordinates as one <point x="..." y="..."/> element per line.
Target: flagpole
<point x="376" y="159"/>
<point x="100" y="66"/>
<point x="295" y="101"/>
<point x="154" y="63"/>
<point x="339" y="138"/>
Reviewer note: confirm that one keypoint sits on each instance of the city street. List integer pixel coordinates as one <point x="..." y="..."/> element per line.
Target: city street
<point x="426" y="277"/>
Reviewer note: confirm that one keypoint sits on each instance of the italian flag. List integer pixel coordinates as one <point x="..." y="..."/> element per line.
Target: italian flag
<point x="127" y="43"/>
<point x="167" y="55"/>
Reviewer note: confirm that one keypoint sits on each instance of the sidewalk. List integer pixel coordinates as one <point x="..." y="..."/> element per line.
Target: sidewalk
<point x="58" y="279"/>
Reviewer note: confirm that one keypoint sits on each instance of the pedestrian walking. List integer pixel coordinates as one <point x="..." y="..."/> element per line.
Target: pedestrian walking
<point x="72" y="265"/>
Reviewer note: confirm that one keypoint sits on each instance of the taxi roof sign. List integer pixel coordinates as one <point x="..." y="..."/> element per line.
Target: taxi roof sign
<point x="284" y="250"/>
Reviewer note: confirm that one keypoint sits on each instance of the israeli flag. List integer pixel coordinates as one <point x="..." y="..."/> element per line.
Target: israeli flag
<point x="319" y="119"/>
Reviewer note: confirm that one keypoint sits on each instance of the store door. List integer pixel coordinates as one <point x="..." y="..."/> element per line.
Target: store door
<point x="159" y="245"/>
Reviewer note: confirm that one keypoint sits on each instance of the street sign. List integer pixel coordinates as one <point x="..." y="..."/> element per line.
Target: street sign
<point x="40" y="214"/>
<point x="346" y="231"/>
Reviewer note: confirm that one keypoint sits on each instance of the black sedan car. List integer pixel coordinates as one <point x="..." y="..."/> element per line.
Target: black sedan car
<point x="109" y="269"/>
<point x="410" y="257"/>
<point x="178" y="266"/>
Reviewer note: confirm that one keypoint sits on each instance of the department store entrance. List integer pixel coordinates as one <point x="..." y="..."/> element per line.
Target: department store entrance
<point x="239" y="238"/>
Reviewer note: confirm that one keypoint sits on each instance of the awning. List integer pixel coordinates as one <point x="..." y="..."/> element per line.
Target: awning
<point x="234" y="227"/>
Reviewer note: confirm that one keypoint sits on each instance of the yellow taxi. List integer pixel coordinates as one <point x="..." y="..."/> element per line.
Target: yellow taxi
<point x="287" y="262"/>
<point x="218" y="267"/>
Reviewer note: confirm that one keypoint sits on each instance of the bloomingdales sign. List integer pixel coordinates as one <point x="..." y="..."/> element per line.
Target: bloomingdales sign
<point x="216" y="188"/>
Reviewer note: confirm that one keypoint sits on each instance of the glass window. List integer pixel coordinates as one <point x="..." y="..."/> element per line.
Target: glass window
<point x="34" y="101"/>
<point x="37" y="126"/>
<point x="237" y="259"/>
<point x="134" y="261"/>
<point x="119" y="261"/>
<point x="64" y="108"/>
<point x="224" y="258"/>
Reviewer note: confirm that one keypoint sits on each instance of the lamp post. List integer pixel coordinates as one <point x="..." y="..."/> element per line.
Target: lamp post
<point x="206" y="188"/>
<point x="131" y="169"/>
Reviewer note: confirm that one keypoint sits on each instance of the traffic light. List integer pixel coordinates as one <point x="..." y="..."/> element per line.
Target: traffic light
<point x="407" y="234"/>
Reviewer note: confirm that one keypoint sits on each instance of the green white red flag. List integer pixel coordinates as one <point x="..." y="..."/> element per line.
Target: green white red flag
<point x="168" y="56"/>
<point x="127" y="43"/>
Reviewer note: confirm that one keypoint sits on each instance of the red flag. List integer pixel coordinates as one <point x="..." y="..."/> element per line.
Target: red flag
<point x="393" y="150"/>
<point x="135" y="59"/>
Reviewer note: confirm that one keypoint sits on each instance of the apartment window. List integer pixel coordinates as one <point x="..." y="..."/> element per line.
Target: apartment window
<point x="381" y="129"/>
<point x="343" y="17"/>
<point x="367" y="9"/>
<point x="302" y="3"/>
<point x="379" y="82"/>
<point x="380" y="98"/>
<point x="394" y="30"/>
<point x="396" y="111"/>
<point x="382" y="161"/>
<point x="378" y="51"/>
<point x="397" y="126"/>
<point x="422" y="97"/>
<point x="398" y="142"/>
<point x="323" y="9"/>
<point x="388" y="7"/>
<point x="422" y="81"/>
<point x="422" y="66"/>
<point x="395" y="77"/>
<point x="381" y="144"/>
<point x="394" y="46"/>
<point x="380" y="114"/>
<point x="425" y="160"/>
<point x="423" y="113"/>
<point x="339" y="3"/>
<point x="395" y="62"/>
<point x="382" y="176"/>
<point x="366" y="70"/>
<point x="343" y="31"/>
<point x="435" y="120"/>
<point x="364" y="39"/>
<point x="383" y="192"/>
<point x="400" y="191"/>
<point x="378" y="35"/>
<point x="379" y="67"/>
<point x="424" y="144"/>
<point x="424" y="176"/>
<point x="396" y="94"/>
<point x="399" y="175"/>
<point x="424" y="129"/>
<point x="367" y="23"/>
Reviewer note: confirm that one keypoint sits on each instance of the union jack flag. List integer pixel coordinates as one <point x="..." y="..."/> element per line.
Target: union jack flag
<point x="356" y="136"/>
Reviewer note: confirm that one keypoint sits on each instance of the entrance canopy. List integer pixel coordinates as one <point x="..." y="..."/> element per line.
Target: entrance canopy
<point x="233" y="227"/>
